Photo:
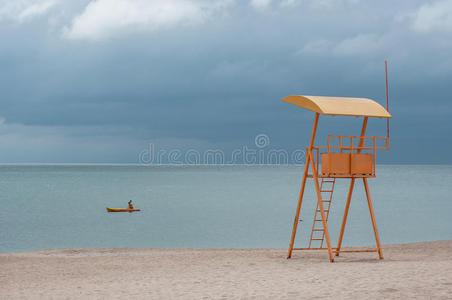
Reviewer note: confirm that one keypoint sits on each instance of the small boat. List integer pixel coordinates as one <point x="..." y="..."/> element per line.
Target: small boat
<point x="122" y="209"/>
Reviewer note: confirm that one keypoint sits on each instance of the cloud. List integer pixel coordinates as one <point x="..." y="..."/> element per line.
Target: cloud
<point x="363" y="44"/>
<point x="320" y="46"/>
<point x="330" y="4"/>
<point x="24" y="10"/>
<point x="36" y="9"/>
<point x="435" y="16"/>
<point x="264" y="4"/>
<point x="66" y="144"/>
<point x="102" y="18"/>
<point x="217" y="82"/>
<point x="260" y="4"/>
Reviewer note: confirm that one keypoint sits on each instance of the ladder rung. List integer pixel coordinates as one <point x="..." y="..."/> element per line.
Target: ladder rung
<point x="325" y="210"/>
<point x="317" y="229"/>
<point x="326" y="200"/>
<point x="317" y="239"/>
<point x="328" y="180"/>
<point x="311" y="248"/>
<point x="326" y="191"/>
<point x="318" y="220"/>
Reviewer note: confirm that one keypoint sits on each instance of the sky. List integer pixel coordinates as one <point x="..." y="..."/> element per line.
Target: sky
<point x="100" y="81"/>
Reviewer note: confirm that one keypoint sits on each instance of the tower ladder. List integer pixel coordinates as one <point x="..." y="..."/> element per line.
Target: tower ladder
<point x="326" y="190"/>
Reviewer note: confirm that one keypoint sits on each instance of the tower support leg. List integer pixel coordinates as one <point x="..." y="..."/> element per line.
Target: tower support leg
<point x="350" y="191"/>
<point x="305" y="175"/>
<point x="297" y="213"/>
<point x="372" y="216"/>
<point x="344" y="219"/>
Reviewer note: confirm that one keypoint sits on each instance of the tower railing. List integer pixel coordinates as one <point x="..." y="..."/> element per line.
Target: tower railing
<point x="349" y="156"/>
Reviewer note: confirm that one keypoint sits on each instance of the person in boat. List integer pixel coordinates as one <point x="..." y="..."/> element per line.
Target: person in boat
<point x="130" y="204"/>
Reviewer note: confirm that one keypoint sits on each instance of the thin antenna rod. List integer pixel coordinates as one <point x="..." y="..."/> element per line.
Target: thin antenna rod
<point x="387" y="97"/>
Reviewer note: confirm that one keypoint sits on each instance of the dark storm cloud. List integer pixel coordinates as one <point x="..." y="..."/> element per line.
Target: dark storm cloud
<point x="215" y="74"/>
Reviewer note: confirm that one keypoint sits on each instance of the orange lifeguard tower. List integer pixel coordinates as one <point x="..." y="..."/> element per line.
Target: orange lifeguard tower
<point x="348" y="157"/>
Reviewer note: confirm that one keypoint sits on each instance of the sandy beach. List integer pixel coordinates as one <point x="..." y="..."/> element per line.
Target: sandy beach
<point x="417" y="270"/>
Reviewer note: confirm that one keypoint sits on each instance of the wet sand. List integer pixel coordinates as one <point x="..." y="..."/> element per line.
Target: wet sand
<point x="417" y="270"/>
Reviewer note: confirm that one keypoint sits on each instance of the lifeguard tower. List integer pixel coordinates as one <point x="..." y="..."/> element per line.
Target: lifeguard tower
<point x="343" y="157"/>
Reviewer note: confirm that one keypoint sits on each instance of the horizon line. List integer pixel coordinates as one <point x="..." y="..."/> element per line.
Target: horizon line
<point x="191" y="165"/>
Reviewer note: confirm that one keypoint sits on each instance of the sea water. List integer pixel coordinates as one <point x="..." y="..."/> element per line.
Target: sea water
<point x="63" y="206"/>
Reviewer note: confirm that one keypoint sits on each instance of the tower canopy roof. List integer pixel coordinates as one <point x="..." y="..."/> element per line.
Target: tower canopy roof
<point x="339" y="106"/>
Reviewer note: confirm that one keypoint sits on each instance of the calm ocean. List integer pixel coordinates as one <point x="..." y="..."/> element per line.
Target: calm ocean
<point x="57" y="206"/>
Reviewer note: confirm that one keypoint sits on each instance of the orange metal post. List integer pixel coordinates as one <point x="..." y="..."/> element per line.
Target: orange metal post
<point x="303" y="184"/>
<point x="344" y="219"/>
<point x="372" y="216"/>
<point x="363" y="133"/>
<point x="350" y="191"/>
<point x="387" y="97"/>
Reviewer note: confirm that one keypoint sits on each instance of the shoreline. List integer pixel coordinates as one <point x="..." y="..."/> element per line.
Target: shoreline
<point x="106" y="250"/>
<point x="415" y="270"/>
